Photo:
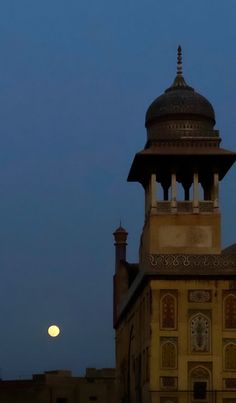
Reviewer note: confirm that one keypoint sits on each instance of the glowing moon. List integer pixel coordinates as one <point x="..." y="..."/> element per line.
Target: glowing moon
<point x="53" y="331"/>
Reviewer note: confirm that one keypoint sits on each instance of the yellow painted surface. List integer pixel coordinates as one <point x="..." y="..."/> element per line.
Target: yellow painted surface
<point x="140" y="330"/>
<point x="181" y="233"/>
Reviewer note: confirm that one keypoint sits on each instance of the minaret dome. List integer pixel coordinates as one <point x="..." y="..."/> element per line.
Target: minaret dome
<point x="178" y="110"/>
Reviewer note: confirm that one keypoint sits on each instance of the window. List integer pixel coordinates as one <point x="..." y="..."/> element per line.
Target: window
<point x="199" y="390"/>
<point x="93" y="398"/>
<point x="62" y="400"/>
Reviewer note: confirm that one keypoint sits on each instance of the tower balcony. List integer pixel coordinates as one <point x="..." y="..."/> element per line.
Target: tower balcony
<point x="190" y="197"/>
<point x="185" y="206"/>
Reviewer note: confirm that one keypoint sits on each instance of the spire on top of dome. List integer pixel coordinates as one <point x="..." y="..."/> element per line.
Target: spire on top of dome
<point x="179" y="61"/>
<point x="179" y="81"/>
<point x="120" y="229"/>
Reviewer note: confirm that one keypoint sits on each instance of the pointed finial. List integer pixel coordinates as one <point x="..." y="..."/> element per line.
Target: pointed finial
<point x="179" y="62"/>
<point x="179" y="81"/>
<point x="120" y="223"/>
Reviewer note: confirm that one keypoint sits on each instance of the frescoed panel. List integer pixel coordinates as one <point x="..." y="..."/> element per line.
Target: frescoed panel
<point x="230" y="383"/>
<point x="230" y="355"/>
<point x="229" y="313"/>
<point x="199" y="296"/>
<point x="168" y="399"/>
<point x="169" y="353"/>
<point x="168" y="310"/>
<point x="200" y="332"/>
<point x="169" y="382"/>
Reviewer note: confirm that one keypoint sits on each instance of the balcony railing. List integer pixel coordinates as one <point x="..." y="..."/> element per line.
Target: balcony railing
<point x="205" y="206"/>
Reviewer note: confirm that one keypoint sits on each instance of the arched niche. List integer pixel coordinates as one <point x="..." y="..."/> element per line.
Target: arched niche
<point x="169" y="355"/>
<point x="229" y="314"/>
<point x="230" y="356"/>
<point x="199" y="382"/>
<point x="200" y="333"/>
<point x="168" y="311"/>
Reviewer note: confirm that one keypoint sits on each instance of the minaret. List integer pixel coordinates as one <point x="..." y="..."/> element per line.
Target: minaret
<point x="175" y="309"/>
<point x="121" y="276"/>
<point x="120" y="236"/>
<point x="180" y="169"/>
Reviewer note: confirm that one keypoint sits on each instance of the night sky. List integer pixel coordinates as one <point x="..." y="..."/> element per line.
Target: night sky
<point x="76" y="78"/>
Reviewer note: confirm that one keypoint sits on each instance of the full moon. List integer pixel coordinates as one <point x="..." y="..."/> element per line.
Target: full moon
<point x="53" y="331"/>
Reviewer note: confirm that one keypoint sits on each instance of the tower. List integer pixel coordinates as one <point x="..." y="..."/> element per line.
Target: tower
<point x="175" y="310"/>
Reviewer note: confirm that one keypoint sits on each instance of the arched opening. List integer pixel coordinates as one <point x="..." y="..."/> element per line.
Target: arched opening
<point x="180" y="191"/>
<point x="199" y="383"/>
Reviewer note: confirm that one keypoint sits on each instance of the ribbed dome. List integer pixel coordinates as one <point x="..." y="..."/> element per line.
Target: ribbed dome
<point x="180" y="101"/>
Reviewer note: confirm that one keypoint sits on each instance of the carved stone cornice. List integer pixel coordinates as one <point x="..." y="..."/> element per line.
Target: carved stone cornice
<point x="192" y="264"/>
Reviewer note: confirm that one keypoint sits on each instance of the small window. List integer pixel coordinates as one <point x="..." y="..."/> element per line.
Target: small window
<point x="62" y="400"/>
<point x="199" y="391"/>
<point x="93" y="398"/>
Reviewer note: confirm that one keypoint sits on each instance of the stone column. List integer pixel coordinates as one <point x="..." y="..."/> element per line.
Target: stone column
<point x="195" y="193"/>
<point x="173" y="192"/>
<point x="153" y="187"/>
<point x="216" y="190"/>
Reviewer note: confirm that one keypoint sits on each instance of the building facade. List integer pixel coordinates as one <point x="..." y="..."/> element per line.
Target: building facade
<point x="175" y="310"/>
<point x="98" y="385"/>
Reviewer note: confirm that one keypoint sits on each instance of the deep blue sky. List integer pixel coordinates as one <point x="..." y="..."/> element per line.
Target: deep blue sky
<point x="76" y="78"/>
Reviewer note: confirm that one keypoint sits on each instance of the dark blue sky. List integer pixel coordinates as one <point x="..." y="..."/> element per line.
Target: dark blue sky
<point x="76" y="78"/>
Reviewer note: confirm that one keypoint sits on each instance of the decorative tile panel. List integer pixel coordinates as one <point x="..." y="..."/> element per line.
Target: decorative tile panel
<point x="168" y="382"/>
<point x="168" y="399"/>
<point x="230" y="355"/>
<point x="199" y="296"/>
<point x="230" y="383"/>
<point x="168" y="309"/>
<point x="188" y="264"/>
<point x="200" y="332"/>
<point x="168" y="353"/>
<point x="229" y="314"/>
